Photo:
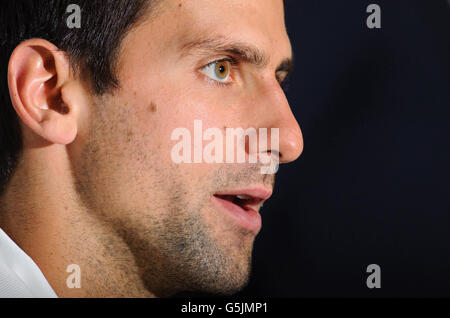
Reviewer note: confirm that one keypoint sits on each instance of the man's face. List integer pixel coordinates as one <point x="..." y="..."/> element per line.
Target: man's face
<point x="182" y="235"/>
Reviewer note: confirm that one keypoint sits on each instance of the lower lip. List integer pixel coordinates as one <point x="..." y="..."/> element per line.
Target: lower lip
<point x="248" y="219"/>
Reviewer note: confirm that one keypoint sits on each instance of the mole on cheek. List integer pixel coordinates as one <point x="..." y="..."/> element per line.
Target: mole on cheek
<point x="153" y="107"/>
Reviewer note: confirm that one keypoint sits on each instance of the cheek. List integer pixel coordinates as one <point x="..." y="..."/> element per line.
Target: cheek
<point x="146" y="145"/>
<point x="151" y="115"/>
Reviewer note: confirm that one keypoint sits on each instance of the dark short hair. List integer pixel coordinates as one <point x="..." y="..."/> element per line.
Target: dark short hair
<point x="92" y="49"/>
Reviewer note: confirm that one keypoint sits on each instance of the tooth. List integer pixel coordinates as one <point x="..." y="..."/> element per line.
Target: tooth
<point x="243" y="197"/>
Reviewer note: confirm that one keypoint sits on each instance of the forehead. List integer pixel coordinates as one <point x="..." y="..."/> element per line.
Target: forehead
<point x="178" y="23"/>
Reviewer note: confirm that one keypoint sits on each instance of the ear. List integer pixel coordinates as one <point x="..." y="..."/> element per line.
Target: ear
<point x="39" y="75"/>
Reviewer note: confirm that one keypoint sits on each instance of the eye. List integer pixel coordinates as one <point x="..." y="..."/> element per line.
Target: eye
<point x="218" y="71"/>
<point x="282" y="78"/>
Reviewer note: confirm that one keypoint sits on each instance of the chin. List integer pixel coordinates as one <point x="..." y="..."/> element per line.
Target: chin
<point x="225" y="289"/>
<point x="228" y="282"/>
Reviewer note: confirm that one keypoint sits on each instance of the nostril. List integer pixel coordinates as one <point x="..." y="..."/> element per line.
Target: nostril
<point x="275" y="153"/>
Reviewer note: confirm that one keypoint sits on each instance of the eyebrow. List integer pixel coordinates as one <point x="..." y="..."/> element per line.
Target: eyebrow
<point x="223" y="45"/>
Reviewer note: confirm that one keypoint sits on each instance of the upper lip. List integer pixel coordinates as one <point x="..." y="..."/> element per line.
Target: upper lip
<point x="259" y="194"/>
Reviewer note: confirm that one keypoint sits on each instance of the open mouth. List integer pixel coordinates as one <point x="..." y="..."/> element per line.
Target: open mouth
<point x="245" y="202"/>
<point x="243" y="206"/>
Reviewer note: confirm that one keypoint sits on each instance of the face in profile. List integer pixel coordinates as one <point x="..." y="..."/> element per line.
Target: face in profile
<point x="188" y="226"/>
<point x="217" y="61"/>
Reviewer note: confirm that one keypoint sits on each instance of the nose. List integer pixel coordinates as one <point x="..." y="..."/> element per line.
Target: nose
<point x="276" y="113"/>
<point x="291" y="138"/>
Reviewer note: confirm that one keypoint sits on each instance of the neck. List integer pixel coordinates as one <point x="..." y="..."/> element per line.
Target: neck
<point x="40" y="211"/>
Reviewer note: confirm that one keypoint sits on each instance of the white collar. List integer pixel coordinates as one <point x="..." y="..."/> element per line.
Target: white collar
<point x="20" y="277"/>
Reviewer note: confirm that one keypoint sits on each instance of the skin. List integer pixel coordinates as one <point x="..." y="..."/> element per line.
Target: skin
<point x="95" y="185"/>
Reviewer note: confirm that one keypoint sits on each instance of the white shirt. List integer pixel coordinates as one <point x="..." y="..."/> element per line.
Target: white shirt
<point x="20" y="277"/>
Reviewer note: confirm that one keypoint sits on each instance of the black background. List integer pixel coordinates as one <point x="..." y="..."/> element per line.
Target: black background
<point x="372" y="185"/>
